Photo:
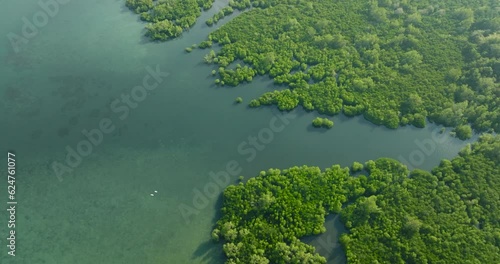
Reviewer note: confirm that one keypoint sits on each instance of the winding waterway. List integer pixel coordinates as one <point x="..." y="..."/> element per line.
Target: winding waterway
<point x="120" y="201"/>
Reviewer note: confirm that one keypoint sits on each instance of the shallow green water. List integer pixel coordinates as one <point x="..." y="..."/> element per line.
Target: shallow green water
<point x="63" y="80"/>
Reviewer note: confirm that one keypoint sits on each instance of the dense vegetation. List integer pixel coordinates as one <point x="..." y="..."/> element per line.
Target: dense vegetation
<point x="168" y="18"/>
<point x="394" y="62"/>
<point x="263" y="218"/>
<point x="449" y="215"/>
<point x="322" y="122"/>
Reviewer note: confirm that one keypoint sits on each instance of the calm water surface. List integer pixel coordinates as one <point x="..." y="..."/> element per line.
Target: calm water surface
<point x="63" y="80"/>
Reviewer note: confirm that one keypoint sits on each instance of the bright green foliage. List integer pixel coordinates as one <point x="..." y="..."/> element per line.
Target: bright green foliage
<point x="209" y="22"/>
<point x="236" y="76"/>
<point x="254" y="103"/>
<point x="139" y="6"/>
<point x="395" y="63"/>
<point x="265" y="216"/>
<point x="449" y="215"/>
<point x="221" y="14"/>
<point x="168" y="18"/>
<point x="210" y="57"/>
<point x="205" y="44"/>
<point x="163" y="30"/>
<point x="322" y="122"/>
<point x="356" y="166"/>
<point x="463" y="132"/>
<point x="239" y="100"/>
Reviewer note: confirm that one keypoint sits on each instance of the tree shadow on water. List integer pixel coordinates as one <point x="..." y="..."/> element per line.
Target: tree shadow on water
<point x="210" y="251"/>
<point x="320" y="130"/>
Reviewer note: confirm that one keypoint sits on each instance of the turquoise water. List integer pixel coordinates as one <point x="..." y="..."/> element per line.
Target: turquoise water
<point x="63" y="80"/>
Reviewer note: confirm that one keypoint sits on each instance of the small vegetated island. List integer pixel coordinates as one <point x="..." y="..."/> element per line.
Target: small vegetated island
<point x="448" y="215"/>
<point x="396" y="63"/>
<point x="322" y="122"/>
